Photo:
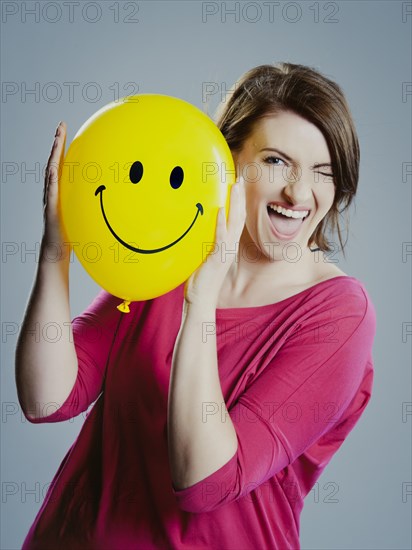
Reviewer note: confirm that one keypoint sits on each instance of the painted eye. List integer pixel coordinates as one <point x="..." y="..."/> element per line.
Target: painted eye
<point x="176" y="177"/>
<point x="136" y="172"/>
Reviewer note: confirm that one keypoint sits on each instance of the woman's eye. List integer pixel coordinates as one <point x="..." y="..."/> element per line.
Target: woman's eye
<point x="273" y="160"/>
<point x="327" y="175"/>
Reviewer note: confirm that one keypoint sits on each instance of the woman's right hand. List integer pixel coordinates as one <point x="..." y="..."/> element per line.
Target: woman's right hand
<point x="52" y="230"/>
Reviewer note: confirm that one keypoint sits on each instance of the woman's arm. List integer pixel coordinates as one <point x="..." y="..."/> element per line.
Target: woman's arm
<point x="199" y="444"/>
<point x="46" y="369"/>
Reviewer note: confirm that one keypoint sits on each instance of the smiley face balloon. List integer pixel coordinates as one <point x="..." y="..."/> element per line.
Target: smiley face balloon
<point x="140" y="189"/>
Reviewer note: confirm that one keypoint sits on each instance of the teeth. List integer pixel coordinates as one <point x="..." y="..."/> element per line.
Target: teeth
<point x="289" y="213"/>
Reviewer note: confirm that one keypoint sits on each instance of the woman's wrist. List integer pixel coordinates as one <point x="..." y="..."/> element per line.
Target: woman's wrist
<point x="54" y="251"/>
<point x="202" y="307"/>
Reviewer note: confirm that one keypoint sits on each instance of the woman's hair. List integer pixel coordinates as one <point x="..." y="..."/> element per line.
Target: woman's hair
<point x="270" y="89"/>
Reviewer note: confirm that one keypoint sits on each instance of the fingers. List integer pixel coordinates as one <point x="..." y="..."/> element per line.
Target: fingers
<point x="220" y="227"/>
<point x="54" y="161"/>
<point x="237" y="213"/>
<point x="237" y="208"/>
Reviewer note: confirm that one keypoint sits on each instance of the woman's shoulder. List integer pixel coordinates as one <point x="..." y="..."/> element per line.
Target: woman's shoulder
<point x="338" y="278"/>
<point x="338" y="284"/>
<point x="343" y="295"/>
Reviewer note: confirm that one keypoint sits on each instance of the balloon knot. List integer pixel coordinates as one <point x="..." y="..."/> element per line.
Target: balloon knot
<point x="124" y="306"/>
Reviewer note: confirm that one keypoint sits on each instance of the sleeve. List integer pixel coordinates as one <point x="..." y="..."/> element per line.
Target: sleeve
<point x="300" y="395"/>
<point x="93" y="332"/>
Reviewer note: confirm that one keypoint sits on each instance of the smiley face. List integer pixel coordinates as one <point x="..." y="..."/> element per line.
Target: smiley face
<point x="136" y="174"/>
<point x="140" y="189"/>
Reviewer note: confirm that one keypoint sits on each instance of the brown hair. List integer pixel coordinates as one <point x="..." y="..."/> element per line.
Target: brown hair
<point x="269" y="89"/>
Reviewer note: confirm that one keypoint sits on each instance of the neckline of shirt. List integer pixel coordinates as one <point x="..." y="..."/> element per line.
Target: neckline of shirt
<point x="238" y="311"/>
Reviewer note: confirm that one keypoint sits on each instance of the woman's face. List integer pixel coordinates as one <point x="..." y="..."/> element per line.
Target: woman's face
<point x="285" y="162"/>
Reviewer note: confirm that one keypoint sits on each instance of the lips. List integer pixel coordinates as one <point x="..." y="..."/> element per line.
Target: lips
<point x="284" y="228"/>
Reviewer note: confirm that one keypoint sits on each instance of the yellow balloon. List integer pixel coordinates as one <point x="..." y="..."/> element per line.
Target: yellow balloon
<point x="140" y="188"/>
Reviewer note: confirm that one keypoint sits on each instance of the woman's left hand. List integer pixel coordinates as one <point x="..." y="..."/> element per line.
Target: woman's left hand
<point x="204" y="285"/>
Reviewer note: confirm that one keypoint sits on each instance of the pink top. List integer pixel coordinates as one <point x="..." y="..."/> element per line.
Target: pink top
<point x="296" y="377"/>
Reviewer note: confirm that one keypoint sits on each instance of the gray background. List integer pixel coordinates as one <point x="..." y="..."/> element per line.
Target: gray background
<point x="361" y="500"/>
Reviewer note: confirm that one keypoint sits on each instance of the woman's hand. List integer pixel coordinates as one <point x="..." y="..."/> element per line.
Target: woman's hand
<point x="52" y="229"/>
<point x="205" y="283"/>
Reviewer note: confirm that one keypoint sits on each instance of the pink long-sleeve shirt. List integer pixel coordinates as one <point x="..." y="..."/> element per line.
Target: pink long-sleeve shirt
<point x="296" y="376"/>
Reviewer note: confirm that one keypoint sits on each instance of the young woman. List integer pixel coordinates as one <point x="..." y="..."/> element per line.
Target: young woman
<point x="219" y="404"/>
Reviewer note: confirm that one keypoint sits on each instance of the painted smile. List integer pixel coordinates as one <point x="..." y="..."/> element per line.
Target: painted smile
<point x="100" y="190"/>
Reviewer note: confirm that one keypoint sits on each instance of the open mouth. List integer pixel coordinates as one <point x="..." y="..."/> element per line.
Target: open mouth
<point x="286" y="223"/>
<point x="99" y="191"/>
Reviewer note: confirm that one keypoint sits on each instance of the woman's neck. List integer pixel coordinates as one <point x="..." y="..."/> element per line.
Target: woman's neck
<point x="280" y="265"/>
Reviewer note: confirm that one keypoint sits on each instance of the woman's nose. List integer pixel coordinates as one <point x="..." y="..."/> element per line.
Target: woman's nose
<point x="298" y="189"/>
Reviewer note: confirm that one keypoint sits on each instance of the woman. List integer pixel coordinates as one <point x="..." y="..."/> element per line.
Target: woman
<point x="224" y="399"/>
